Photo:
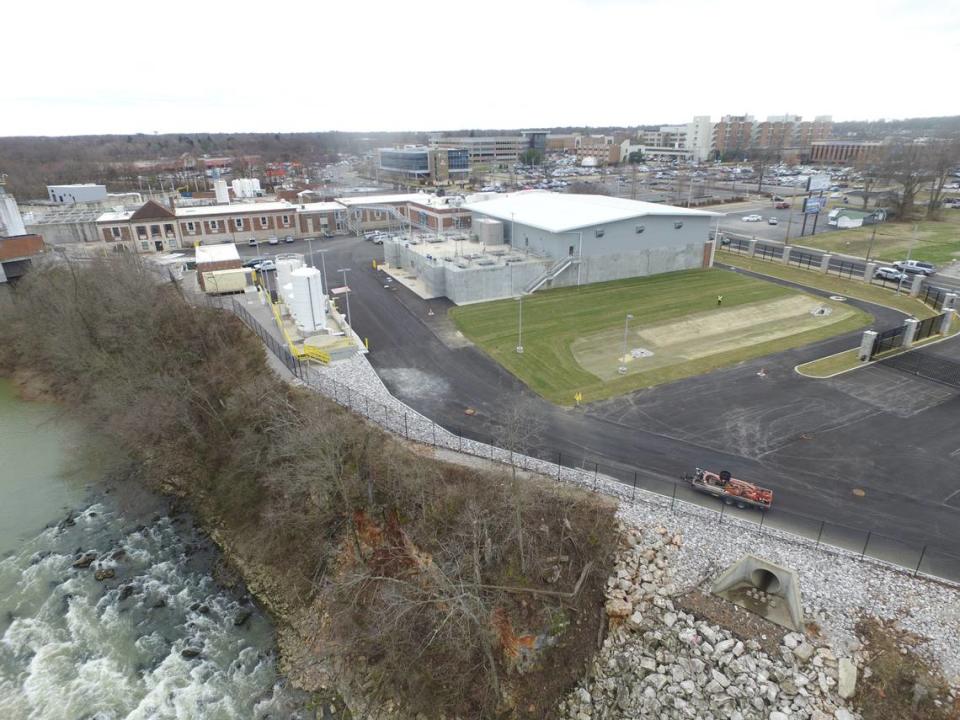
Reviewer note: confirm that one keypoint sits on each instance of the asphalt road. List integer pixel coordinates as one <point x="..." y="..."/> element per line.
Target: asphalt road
<point x="883" y="432"/>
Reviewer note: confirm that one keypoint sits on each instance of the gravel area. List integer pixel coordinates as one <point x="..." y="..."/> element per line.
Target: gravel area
<point x="836" y="585"/>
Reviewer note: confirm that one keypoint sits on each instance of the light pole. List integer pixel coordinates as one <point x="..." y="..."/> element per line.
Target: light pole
<point x="520" y="327"/>
<point x="623" y="360"/>
<point x="346" y="293"/>
<point x="873" y="236"/>
<point x="323" y="265"/>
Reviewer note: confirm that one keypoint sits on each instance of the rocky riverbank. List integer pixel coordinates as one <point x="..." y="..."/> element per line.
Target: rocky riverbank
<point x="660" y="660"/>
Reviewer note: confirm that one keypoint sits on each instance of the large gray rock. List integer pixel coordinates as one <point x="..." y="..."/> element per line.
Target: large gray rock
<point x="846" y="678"/>
<point x="843" y="714"/>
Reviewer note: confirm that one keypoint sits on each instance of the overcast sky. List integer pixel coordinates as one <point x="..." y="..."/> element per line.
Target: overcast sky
<point x="204" y="66"/>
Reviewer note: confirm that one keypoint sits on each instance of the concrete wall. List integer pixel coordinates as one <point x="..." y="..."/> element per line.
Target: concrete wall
<point x="63" y="233"/>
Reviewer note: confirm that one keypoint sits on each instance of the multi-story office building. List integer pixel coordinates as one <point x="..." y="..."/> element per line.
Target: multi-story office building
<point x="424" y="165"/>
<point x="492" y="150"/>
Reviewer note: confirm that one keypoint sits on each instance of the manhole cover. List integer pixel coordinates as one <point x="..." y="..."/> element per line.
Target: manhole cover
<point x="469" y="411"/>
<point x="859" y="492"/>
<point x="838" y="298"/>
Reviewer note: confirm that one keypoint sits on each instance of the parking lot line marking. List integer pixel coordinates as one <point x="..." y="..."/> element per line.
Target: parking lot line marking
<point x="955" y="453"/>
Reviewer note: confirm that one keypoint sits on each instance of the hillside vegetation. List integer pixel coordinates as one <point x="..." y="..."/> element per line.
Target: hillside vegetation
<point x="459" y="592"/>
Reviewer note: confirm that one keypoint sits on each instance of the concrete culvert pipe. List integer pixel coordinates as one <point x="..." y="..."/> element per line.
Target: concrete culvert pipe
<point x="765" y="580"/>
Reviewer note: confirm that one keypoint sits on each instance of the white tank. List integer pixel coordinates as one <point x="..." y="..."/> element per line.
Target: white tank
<point x="286" y="264"/>
<point x="220" y="189"/>
<point x="308" y="304"/>
<point x="10" y="221"/>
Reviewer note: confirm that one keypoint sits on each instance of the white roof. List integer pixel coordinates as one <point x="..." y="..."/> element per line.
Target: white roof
<point x="560" y="212"/>
<point x="216" y="253"/>
<point x="121" y="216"/>
<point x="234" y="209"/>
<point x="320" y="207"/>
<point x="381" y="199"/>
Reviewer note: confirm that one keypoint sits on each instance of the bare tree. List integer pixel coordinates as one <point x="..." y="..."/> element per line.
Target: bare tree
<point x="905" y="163"/>
<point x="942" y="157"/>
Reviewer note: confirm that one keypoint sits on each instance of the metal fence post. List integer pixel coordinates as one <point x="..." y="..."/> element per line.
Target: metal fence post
<point x="762" y="516"/>
<point x="633" y="495"/>
<point x="820" y="534"/>
<point x="596" y="471"/>
<point x="559" y="462"/>
<point x="460" y="440"/>
<point x="434" y="434"/>
<point x="866" y="542"/>
<point x="335" y="396"/>
<point x="920" y="561"/>
<point x="406" y="430"/>
<point x="673" y="500"/>
<point x="722" y="506"/>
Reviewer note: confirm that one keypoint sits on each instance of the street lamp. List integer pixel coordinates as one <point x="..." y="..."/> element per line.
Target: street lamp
<point x="346" y="294"/>
<point x="520" y="327"/>
<point x="623" y="360"/>
<point x="323" y="265"/>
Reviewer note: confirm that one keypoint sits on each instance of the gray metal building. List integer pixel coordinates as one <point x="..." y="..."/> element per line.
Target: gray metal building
<point x="526" y="241"/>
<point x="595" y="238"/>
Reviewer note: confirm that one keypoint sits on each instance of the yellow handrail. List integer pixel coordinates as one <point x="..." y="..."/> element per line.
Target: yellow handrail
<point x="305" y="351"/>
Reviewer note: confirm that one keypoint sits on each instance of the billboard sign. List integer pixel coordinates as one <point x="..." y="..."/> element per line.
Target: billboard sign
<point x="811" y="206"/>
<point x="815" y="183"/>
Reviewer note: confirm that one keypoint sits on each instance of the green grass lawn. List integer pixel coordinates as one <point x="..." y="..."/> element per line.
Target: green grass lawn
<point x="829" y="283"/>
<point x="554" y="320"/>
<point x="936" y="241"/>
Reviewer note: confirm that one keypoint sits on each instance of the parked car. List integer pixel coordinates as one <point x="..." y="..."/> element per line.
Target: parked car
<point x="781" y="205"/>
<point x="915" y="267"/>
<point x="752" y="218"/>
<point x="327" y="234"/>
<point x="887" y="272"/>
<point x="274" y="240"/>
<point x="288" y="239"/>
<point x="772" y="221"/>
<point x="265" y="266"/>
<point x="253" y="262"/>
<point x="371" y="234"/>
<point x="252" y="242"/>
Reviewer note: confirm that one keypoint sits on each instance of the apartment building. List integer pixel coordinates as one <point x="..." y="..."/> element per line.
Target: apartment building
<point x="843" y="152"/>
<point x="733" y="135"/>
<point x="424" y="165"/>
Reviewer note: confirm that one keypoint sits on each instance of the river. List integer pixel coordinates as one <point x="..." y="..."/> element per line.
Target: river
<point x="154" y="637"/>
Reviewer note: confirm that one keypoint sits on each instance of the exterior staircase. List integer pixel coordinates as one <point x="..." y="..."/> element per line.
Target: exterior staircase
<point x="550" y="274"/>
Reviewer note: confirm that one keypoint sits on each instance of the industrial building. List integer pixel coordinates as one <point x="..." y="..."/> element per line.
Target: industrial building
<point x="81" y="193"/>
<point x="522" y="242"/>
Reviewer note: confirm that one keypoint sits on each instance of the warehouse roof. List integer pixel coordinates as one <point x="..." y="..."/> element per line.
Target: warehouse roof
<point x="561" y="212"/>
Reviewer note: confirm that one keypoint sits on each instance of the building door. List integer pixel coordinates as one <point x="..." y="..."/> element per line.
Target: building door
<point x="159" y="245"/>
<point x="570" y="251"/>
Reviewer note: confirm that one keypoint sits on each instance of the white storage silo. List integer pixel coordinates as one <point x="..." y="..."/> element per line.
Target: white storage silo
<point x="308" y="304"/>
<point x="286" y="264"/>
